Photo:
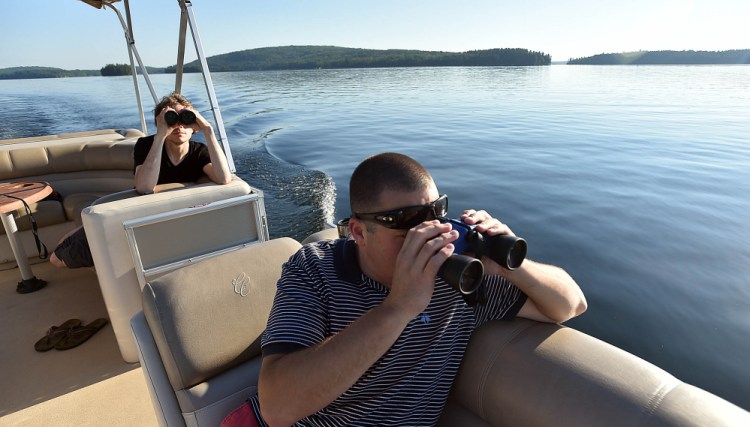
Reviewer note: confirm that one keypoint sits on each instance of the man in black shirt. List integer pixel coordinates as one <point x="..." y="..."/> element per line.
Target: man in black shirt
<point x="170" y="155"/>
<point x="166" y="157"/>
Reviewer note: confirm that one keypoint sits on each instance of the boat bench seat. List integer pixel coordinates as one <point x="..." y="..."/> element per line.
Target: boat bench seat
<point x="114" y="262"/>
<point x="80" y="167"/>
<point x="198" y="335"/>
<point x="198" y="343"/>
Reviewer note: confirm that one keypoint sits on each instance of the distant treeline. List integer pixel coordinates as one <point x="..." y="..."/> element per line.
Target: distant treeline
<point x="312" y="57"/>
<point x="52" y="73"/>
<point x="665" y="57"/>
<point x="43" y="73"/>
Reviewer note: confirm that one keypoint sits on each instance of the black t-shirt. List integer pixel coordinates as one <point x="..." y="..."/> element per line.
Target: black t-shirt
<point x="190" y="168"/>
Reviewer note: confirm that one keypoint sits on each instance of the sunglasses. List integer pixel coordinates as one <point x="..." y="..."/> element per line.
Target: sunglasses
<point x="408" y="217"/>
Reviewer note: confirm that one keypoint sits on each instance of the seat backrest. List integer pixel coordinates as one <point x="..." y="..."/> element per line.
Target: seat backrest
<point x="111" y="151"/>
<point x="205" y="322"/>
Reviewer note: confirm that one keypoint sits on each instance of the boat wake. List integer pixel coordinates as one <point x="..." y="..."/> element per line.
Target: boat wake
<point x="298" y="201"/>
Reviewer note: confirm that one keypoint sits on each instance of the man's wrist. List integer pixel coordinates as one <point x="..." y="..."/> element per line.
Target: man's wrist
<point x="159" y="138"/>
<point x="396" y="311"/>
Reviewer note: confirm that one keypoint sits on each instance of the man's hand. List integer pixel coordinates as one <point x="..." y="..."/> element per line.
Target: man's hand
<point x="201" y="124"/>
<point x="425" y="249"/>
<point x="490" y="226"/>
<point x="553" y="295"/>
<point x="162" y="128"/>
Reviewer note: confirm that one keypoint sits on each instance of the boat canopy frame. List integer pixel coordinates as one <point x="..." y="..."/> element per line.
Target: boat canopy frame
<point x="187" y="19"/>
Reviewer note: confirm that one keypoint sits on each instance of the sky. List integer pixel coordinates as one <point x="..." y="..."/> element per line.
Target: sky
<point x="70" y="34"/>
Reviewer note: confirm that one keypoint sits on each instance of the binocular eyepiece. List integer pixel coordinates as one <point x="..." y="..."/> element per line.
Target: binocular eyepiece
<point x="186" y="117"/>
<point x="464" y="273"/>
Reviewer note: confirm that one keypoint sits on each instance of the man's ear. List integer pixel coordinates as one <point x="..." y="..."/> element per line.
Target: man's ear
<point x="357" y="230"/>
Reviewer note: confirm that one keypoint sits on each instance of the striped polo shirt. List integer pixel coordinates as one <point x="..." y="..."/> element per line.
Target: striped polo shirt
<point x="322" y="291"/>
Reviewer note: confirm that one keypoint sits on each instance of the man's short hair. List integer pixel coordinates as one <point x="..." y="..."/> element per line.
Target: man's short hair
<point x="381" y="172"/>
<point x="171" y="100"/>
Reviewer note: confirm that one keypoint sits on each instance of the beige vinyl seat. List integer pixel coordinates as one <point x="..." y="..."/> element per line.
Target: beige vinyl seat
<point x="198" y="336"/>
<point x="198" y="343"/>
<point x="80" y="167"/>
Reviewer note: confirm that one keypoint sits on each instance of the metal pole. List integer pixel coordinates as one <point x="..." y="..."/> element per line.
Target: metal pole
<point x="209" y="84"/>
<point x="181" y="49"/>
<point x="134" y="51"/>
<point x="11" y="230"/>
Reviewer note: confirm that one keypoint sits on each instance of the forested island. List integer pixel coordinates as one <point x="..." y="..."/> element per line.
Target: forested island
<point x="308" y="57"/>
<point x="313" y="57"/>
<point x="667" y="57"/>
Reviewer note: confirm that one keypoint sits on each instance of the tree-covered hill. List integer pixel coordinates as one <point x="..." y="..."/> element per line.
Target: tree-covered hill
<point x="311" y="57"/>
<point x="666" y="57"/>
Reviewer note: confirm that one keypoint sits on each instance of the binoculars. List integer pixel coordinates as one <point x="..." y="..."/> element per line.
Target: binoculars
<point x="186" y="117"/>
<point x="464" y="273"/>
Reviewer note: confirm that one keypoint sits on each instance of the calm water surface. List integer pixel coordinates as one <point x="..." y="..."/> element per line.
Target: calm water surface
<point x="636" y="179"/>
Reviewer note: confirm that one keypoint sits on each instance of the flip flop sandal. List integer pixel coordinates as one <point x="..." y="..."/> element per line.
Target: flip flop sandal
<point x="55" y="334"/>
<point x="80" y="334"/>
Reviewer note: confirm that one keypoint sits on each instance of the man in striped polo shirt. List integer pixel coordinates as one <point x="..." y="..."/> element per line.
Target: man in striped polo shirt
<point x="364" y="332"/>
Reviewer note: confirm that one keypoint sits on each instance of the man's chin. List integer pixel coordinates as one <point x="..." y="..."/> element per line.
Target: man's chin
<point x="178" y="140"/>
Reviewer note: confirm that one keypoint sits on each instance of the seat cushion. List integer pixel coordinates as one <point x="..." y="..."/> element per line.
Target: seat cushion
<point x="75" y="203"/>
<point x="207" y="403"/>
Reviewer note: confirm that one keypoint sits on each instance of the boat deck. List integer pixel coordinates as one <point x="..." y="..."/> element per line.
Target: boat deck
<point x="86" y="385"/>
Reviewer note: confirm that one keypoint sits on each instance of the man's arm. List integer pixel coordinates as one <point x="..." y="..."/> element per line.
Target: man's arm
<point x="147" y="174"/>
<point x="218" y="170"/>
<point x="553" y="296"/>
<point x="295" y="385"/>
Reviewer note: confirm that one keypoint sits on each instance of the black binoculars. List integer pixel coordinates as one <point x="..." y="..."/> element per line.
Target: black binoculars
<point x="186" y="117"/>
<point x="464" y="273"/>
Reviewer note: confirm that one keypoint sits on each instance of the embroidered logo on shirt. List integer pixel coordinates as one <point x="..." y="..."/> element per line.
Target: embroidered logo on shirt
<point x="425" y="318"/>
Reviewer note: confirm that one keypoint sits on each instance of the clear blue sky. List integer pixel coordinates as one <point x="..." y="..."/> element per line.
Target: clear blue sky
<point x="70" y="34"/>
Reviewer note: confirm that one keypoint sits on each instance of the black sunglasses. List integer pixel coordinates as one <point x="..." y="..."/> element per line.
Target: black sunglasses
<point x="408" y="217"/>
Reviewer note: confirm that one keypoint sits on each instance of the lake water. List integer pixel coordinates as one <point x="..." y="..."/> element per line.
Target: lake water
<point x="635" y="179"/>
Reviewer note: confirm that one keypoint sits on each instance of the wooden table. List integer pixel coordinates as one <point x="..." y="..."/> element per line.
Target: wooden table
<point x="12" y="197"/>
